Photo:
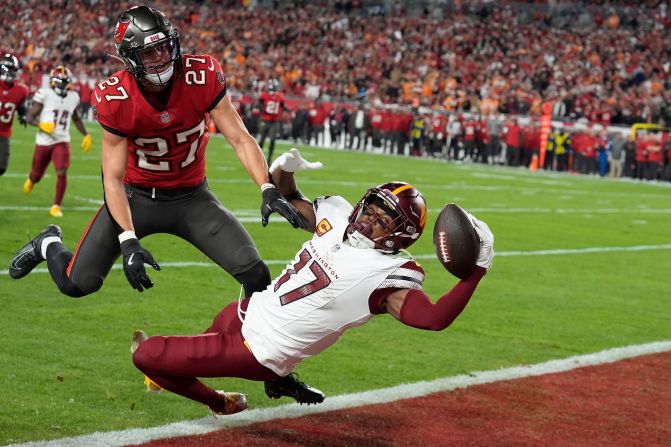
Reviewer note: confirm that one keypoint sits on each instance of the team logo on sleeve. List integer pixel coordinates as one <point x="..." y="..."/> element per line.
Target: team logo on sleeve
<point x="323" y="227"/>
<point x="221" y="78"/>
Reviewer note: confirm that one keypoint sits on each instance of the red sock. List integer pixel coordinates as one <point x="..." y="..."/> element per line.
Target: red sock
<point x="61" y="184"/>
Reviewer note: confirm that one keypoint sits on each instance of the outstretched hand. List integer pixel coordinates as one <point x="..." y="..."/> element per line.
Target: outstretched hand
<point x="486" y="256"/>
<point x="273" y="202"/>
<point x="292" y="161"/>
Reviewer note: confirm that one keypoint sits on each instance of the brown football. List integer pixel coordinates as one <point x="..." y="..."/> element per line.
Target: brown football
<point x="456" y="243"/>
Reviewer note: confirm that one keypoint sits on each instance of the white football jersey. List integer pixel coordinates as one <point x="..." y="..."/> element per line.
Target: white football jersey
<point x="58" y="110"/>
<point x="324" y="292"/>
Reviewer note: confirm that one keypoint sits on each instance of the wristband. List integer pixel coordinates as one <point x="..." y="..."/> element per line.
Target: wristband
<point x="267" y="186"/>
<point x="126" y="235"/>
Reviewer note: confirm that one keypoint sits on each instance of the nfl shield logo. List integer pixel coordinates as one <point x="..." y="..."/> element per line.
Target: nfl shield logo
<point x="165" y="117"/>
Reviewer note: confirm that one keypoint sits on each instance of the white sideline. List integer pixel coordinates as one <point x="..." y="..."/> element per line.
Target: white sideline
<point x="210" y="424"/>
<point x="560" y="251"/>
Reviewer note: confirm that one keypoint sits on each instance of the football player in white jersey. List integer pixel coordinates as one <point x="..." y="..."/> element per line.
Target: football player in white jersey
<point x="51" y="112"/>
<point x="352" y="268"/>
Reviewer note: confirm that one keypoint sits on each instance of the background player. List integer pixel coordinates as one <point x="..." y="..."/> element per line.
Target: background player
<point x="13" y="95"/>
<point x="348" y="272"/>
<point x="51" y="112"/>
<point x="272" y="107"/>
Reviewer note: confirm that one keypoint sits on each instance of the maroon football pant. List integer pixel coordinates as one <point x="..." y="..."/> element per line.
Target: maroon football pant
<point x="175" y="362"/>
<point x="59" y="153"/>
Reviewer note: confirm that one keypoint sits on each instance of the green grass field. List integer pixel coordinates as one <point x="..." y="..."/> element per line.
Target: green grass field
<point x="65" y="365"/>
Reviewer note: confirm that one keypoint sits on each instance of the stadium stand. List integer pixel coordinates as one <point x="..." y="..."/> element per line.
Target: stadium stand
<point x="604" y="63"/>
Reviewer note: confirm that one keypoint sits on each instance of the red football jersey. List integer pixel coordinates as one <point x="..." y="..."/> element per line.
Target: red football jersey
<point x="11" y="97"/>
<point x="166" y="144"/>
<point x="273" y="104"/>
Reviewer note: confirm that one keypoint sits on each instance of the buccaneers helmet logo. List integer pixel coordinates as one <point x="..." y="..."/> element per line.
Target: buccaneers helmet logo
<point x="120" y="31"/>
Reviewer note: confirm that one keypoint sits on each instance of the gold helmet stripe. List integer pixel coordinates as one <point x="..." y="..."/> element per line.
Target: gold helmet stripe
<point x="400" y="189"/>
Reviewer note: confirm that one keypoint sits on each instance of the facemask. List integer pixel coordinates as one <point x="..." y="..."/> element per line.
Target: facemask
<point x="160" y="78"/>
<point x="357" y="235"/>
<point x="358" y="240"/>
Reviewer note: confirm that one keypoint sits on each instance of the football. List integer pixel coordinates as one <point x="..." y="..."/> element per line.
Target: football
<point x="456" y="243"/>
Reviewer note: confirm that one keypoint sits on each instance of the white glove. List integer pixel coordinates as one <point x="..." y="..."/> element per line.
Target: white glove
<point x="293" y="162"/>
<point x="486" y="255"/>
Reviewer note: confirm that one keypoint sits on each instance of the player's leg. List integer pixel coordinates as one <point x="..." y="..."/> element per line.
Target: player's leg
<point x="264" y="133"/>
<point x="84" y="272"/>
<point x="174" y="363"/>
<point x="75" y="275"/>
<point x="61" y="159"/>
<point x="4" y="154"/>
<point x="273" y="135"/>
<point x="41" y="159"/>
<point x="216" y="232"/>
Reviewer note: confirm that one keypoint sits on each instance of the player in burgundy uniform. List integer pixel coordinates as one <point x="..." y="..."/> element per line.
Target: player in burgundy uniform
<point x="272" y="105"/>
<point x="154" y="118"/>
<point x="349" y="271"/>
<point x="52" y="111"/>
<point x="12" y="97"/>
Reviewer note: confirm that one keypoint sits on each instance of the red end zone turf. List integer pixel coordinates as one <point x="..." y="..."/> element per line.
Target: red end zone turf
<point x="619" y="404"/>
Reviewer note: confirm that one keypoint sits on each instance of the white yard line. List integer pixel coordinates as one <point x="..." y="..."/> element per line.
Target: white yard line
<point x="552" y="252"/>
<point x="384" y="395"/>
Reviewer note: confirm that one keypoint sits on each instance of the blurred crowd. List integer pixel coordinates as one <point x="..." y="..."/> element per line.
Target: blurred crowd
<point x="642" y="152"/>
<point x="606" y="64"/>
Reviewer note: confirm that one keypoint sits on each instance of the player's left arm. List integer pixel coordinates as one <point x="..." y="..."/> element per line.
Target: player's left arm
<point x="87" y="141"/>
<point x="414" y="308"/>
<point x="79" y="123"/>
<point x="251" y="156"/>
<point x="246" y="148"/>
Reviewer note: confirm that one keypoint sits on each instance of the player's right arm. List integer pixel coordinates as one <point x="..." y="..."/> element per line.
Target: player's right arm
<point x="282" y="171"/>
<point x="35" y="111"/>
<point x="114" y="161"/>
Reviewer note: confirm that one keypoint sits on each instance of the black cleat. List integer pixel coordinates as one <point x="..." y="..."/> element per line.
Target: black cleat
<point x="290" y="386"/>
<point x="28" y="256"/>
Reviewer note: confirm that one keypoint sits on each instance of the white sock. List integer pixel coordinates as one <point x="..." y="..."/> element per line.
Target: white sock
<point x="45" y="243"/>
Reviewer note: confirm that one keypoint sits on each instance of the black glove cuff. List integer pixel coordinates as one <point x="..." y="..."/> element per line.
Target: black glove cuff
<point x="130" y="246"/>
<point x="270" y="194"/>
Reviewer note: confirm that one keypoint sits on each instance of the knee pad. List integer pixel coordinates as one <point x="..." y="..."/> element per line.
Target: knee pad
<point x="254" y="279"/>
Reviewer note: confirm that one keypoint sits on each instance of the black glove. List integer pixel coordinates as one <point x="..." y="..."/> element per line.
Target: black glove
<point x="274" y="202"/>
<point x="22" y="120"/>
<point x="134" y="259"/>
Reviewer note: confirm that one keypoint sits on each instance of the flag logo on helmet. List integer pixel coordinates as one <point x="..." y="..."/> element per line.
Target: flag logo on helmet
<point x="121" y="28"/>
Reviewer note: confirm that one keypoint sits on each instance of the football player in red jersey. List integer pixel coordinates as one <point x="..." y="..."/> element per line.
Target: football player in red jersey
<point x="12" y="97"/>
<point x="154" y="118"/>
<point x="272" y="106"/>
<point x="349" y="271"/>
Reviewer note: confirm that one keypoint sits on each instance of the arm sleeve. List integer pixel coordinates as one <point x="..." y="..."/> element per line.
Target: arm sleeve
<point x="418" y="311"/>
